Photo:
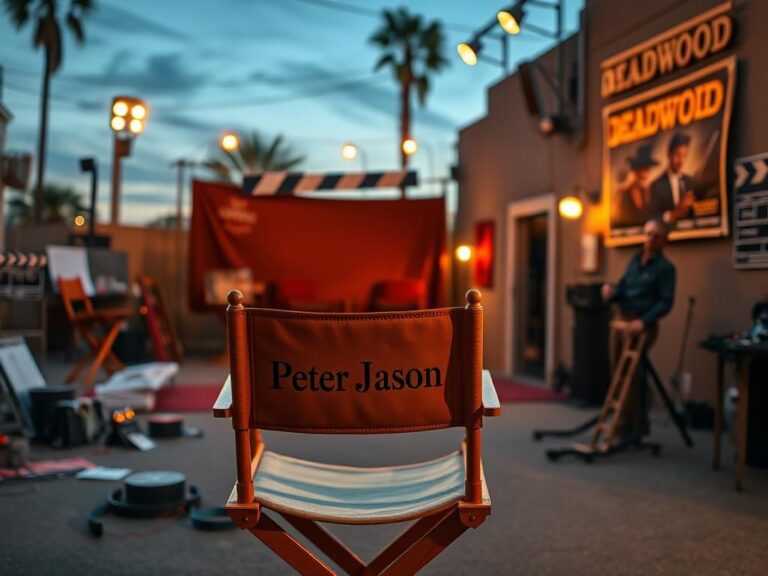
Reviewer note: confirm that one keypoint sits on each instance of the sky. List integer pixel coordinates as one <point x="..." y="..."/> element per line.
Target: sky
<point x="300" y="68"/>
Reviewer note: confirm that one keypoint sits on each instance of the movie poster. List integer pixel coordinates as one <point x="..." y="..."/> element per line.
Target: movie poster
<point x="664" y="157"/>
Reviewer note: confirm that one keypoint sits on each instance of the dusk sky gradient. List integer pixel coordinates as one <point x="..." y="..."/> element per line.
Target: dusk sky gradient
<point x="292" y="67"/>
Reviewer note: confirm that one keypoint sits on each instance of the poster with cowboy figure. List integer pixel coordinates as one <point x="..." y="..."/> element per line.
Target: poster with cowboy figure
<point x="664" y="154"/>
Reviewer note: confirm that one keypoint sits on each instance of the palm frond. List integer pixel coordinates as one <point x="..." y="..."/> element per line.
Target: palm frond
<point x="18" y="10"/>
<point x="76" y="26"/>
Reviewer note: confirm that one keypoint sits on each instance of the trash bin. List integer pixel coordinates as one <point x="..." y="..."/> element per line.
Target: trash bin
<point x="590" y="375"/>
<point x="757" y="421"/>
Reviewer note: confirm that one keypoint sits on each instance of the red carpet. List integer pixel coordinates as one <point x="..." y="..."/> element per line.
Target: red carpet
<point x="512" y="391"/>
<point x="200" y="397"/>
<point x="187" y="398"/>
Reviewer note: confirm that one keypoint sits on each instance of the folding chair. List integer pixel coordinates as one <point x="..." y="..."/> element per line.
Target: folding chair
<point x="87" y="322"/>
<point x="158" y="319"/>
<point x="362" y="373"/>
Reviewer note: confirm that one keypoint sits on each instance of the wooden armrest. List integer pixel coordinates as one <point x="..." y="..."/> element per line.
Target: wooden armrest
<point x="223" y="406"/>
<point x="491" y="404"/>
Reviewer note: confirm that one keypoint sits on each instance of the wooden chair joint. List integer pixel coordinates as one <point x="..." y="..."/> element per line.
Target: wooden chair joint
<point x="245" y="516"/>
<point x="473" y="515"/>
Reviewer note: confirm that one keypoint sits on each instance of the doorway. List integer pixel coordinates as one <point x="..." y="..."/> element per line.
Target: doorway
<point x="530" y="286"/>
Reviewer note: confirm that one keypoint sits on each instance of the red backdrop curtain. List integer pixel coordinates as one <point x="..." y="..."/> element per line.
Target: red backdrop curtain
<point x="343" y="246"/>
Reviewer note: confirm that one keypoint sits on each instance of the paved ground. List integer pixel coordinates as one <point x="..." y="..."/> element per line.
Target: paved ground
<point x="631" y="515"/>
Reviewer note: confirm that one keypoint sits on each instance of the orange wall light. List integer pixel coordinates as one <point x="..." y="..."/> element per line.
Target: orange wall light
<point x="483" y="264"/>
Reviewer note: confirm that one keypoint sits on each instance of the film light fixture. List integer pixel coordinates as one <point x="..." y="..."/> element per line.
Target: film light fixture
<point x="510" y="21"/>
<point x="128" y="120"/>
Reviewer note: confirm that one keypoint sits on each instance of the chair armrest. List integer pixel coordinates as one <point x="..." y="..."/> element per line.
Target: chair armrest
<point x="491" y="404"/>
<point x="223" y="406"/>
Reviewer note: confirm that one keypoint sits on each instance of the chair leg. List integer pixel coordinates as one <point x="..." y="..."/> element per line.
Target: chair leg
<point x="426" y="549"/>
<point x="112" y="364"/>
<point x="75" y="372"/>
<point x="328" y="544"/>
<point x="403" y="542"/>
<point x="104" y="349"/>
<point x="288" y="548"/>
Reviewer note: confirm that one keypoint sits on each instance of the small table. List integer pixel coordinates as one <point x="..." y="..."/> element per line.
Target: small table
<point x="741" y="352"/>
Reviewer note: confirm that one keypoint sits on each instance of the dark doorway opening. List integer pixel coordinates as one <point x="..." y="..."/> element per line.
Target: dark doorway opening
<point x="531" y="296"/>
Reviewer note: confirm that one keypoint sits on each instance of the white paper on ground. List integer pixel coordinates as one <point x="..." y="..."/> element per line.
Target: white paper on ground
<point x="103" y="473"/>
<point x="150" y="376"/>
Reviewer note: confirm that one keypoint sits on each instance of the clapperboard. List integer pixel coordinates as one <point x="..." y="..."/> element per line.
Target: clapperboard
<point x="291" y="183"/>
<point x="750" y="203"/>
<point x="22" y="275"/>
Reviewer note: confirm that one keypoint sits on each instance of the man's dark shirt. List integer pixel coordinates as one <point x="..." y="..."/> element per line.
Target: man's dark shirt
<point x="647" y="291"/>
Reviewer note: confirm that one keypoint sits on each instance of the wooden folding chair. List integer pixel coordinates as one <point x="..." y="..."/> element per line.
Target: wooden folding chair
<point x="366" y="373"/>
<point x="159" y="321"/>
<point x="88" y="322"/>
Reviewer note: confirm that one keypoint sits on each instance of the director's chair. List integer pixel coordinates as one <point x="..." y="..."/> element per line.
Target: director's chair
<point x="363" y="373"/>
<point x="88" y="322"/>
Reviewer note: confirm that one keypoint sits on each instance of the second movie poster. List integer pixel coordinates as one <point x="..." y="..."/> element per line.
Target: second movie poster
<point x="664" y="155"/>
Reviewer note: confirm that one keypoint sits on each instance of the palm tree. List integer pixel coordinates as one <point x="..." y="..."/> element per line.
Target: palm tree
<point x="254" y="155"/>
<point x="60" y="205"/>
<point x="48" y="34"/>
<point x="413" y="51"/>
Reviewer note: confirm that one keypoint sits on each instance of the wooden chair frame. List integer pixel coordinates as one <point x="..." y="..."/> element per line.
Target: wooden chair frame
<point x="85" y="323"/>
<point x="159" y="320"/>
<point x="415" y="547"/>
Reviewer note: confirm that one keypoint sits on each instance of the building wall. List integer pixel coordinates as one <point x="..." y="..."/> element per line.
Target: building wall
<point x="503" y="158"/>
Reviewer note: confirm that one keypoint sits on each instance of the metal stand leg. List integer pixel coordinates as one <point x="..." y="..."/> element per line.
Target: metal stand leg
<point x="539" y="434"/>
<point x="676" y="418"/>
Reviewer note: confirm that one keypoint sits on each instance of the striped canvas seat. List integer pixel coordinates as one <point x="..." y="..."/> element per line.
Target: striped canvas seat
<point x="349" y="495"/>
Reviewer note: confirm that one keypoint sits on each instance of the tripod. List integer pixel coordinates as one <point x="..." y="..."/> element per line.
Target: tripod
<point x="604" y="440"/>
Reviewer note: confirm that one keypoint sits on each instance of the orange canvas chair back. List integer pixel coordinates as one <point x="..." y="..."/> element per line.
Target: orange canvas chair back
<point x="363" y="373"/>
<point x="76" y="301"/>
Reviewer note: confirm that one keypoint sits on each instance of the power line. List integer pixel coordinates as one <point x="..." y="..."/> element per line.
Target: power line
<point x="330" y="89"/>
<point x="371" y="12"/>
<point x="361" y="11"/>
<point x="253" y="78"/>
<point x="244" y="103"/>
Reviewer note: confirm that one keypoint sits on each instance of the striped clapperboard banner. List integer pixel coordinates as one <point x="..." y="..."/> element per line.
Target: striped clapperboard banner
<point x="750" y="206"/>
<point x="290" y="183"/>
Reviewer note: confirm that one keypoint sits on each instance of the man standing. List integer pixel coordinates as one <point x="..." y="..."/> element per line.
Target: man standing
<point x="645" y="294"/>
<point x="672" y="193"/>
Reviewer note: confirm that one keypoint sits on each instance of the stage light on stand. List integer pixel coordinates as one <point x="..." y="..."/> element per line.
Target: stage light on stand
<point x="128" y="120"/>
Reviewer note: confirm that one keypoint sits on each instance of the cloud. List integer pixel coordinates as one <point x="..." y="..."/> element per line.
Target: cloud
<point x="159" y="74"/>
<point x="118" y="20"/>
<point x="359" y="99"/>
